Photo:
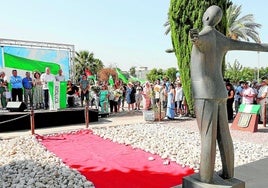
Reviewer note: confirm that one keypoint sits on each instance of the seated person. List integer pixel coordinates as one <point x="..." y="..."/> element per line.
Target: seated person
<point x="71" y="91"/>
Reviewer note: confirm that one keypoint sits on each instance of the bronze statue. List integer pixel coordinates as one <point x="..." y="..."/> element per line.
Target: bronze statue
<point x="210" y="94"/>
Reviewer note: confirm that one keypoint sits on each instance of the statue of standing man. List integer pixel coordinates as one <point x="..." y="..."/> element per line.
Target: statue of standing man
<point x="210" y="94"/>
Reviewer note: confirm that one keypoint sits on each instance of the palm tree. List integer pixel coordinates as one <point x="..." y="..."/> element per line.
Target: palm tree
<point x="241" y="28"/>
<point x="234" y="73"/>
<point x="84" y="59"/>
<point x="167" y="26"/>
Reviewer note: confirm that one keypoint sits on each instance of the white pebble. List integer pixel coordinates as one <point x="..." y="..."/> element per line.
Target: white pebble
<point x="151" y="158"/>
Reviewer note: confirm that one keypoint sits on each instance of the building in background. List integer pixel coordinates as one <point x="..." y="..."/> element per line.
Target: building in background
<point x="141" y="72"/>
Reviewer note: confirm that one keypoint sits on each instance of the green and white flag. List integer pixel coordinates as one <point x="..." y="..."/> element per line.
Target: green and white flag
<point x="57" y="95"/>
<point x="250" y="108"/>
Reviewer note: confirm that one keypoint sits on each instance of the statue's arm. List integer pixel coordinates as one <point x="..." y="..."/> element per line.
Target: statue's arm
<point x="247" y="46"/>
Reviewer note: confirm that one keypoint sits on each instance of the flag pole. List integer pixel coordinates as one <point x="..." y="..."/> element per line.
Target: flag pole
<point x="3" y="56"/>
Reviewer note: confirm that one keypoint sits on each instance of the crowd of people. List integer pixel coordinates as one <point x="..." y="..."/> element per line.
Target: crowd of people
<point x="32" y="90"/>
<point x="247" y="93"/>
<point x="160" y="95"/>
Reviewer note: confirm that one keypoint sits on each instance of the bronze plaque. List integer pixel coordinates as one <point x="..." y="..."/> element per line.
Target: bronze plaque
<point x="244" y="120"/>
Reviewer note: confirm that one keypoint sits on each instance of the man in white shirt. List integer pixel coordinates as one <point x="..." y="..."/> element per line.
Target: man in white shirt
<point x="60" y="77"/>
<point x="248" y="94"/>
<point x="262" y="98"/>
<point x="45" y="78"/>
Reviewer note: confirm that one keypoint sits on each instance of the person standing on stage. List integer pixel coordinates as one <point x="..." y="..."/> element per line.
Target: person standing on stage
<point x="3" y="90"/>
<point x="60" y="77"/>
<point x="84" y="87"/>
<point x="28" y="89"/>
<point x="45" y="78"/>
<point x="16" y="85"/>
<point x="38" y="91"/>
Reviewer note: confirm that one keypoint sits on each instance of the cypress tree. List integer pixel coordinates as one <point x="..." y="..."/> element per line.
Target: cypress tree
<point x="184" y="15"/>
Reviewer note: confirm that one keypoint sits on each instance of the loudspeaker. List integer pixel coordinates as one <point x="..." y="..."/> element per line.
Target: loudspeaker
<point x="16" y="106"/>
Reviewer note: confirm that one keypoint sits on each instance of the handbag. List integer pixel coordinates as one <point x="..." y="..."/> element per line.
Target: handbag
<point x="7" y="94"/>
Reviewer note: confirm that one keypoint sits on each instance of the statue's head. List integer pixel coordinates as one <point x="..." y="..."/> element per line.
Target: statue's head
<point x="212" y="16"/>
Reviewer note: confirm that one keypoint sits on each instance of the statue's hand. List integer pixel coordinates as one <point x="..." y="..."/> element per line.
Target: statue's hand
<point x="193" y="33"/>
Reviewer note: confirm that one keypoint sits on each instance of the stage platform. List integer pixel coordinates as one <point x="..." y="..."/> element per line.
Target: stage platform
<point x="12" y="121"/>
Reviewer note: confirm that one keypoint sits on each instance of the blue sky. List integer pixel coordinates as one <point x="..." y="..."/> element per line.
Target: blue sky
<point x="121" y="33"/>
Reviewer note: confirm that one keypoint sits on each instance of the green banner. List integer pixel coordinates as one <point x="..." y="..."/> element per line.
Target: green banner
<point x="17" y="62"/>
<point x="250" y="108"/>
<point x="63" y="95"/>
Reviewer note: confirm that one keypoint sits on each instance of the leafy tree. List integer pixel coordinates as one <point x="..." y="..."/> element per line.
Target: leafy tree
<point x="241" y="28"/>
<point x="183" y="16"/>
<point x="263" y="72"/>
<point x="237" y="72"/>
<point x="234" y="72"/>
<point x="247" y="74"/>
<point x="84" y="59"/>
<point x="171" y="74"/>
<point x="155" y="74"/>
<point x="132" y="71"/>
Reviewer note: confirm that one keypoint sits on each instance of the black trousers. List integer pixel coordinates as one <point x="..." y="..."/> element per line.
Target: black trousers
<point x="16" y="92"/>
<point x="230" y="111"/>
<point x="113" y="106"/>
<point x="46" y="98"/>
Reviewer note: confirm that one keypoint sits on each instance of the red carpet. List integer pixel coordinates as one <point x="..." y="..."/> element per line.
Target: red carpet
<point x="108" y="164"/>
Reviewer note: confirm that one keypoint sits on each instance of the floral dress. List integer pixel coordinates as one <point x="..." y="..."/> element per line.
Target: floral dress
<point x="38" y="93"/>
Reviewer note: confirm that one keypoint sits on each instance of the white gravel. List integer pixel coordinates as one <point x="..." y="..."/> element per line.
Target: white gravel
<point x="24" y="162"/>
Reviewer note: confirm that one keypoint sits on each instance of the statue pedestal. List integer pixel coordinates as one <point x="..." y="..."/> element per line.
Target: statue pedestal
<point x="193" y="181"/>
<point x="245" y="122"/>
<point x="247" y="118"/>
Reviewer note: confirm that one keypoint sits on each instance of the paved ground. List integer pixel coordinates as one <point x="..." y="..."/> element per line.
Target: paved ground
<point x="112" y="120"/>
<point x="255" y="174"/>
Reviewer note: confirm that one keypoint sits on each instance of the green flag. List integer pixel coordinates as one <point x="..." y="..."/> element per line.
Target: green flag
<point x="63" y="96"/>
<point x="111" y="80"/>
<point x="17" y="62"/>
<point x="121" y="76"/>
<point x="135" y="79"/>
